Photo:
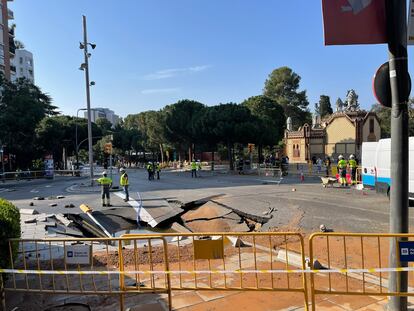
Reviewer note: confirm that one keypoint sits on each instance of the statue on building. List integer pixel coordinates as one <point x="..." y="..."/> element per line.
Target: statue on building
<point x="352" y="101"/>
<point x="339" y="105"/>
<point x="316" y="117"/>
<point x="289" y="125"/>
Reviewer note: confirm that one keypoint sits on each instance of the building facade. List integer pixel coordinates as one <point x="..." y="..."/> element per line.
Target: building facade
<point x="104" y="113"/>
<point x="341" y="133"/>
<point x="23" y="65"/>
<point x="7" y="46"/>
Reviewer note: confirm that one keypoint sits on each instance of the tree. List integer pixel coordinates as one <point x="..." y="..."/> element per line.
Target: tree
<point x="270" y="121"/>
<point x="179" y="124"/>
<point x="384" y="117"/>
<point x="228" y="124"/>
<point x="324" y="106"/>
<point x="57" y="132"/>
<point x="151" y="125"/>
<point x="22" y="106"/>
<point x="282" y="85"/>
<point x="104" y="125"/>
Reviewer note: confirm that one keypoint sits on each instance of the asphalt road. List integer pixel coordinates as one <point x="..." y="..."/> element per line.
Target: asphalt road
<point x="304" y="209"/>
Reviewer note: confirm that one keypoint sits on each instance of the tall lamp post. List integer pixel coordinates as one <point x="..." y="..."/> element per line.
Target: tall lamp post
<point x="85" y="66"/>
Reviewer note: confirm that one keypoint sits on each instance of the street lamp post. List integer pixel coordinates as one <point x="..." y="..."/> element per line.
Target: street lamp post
<point x="85" y="66"/>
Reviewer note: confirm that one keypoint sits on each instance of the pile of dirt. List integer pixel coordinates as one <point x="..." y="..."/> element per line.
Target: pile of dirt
<point x="212" y="217"/>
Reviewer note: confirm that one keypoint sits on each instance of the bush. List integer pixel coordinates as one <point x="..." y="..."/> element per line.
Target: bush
<point x="9" y="228"/>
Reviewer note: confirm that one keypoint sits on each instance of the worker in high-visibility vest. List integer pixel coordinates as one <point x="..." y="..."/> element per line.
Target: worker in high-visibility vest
<point x="124" y="183"/>
<point x="106" y="184"/>
<point x="342" y="164"/>
<point x="353" y="167"/>
<point x="193" y="168"/>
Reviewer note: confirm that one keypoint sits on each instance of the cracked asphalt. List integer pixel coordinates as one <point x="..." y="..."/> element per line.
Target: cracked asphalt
<point x="304" y="209"/>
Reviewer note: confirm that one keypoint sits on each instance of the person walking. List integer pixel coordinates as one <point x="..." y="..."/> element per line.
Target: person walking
<point x="158" y="169"/>
<point x="193" y="169"/>
<point x="342" y="164"/>
<point x="353" y="167"/>
<point x="124" y="183"/>
<point x="319" y="165"/>
<point x="106" y="184"/>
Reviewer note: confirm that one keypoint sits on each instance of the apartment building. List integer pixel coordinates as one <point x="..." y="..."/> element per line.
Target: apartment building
<point x="7" y="46"/>
<point x="104" y="113"/>
<point x="22" y="63"/>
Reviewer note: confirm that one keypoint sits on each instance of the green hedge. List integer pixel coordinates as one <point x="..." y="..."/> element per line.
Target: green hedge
<point x="9" y="228"/>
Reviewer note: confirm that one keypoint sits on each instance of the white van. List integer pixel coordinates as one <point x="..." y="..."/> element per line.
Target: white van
<point x="376" y="165"/>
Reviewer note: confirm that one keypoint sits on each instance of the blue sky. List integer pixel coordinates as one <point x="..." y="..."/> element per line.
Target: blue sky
<point x="154" y="52"/>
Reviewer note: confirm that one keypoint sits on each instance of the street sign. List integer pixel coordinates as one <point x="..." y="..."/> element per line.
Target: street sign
<point x="382" y="87"/>
<point x="78" y="254"/>
<point x="354" y="22"/>
<point x="406" y="251"/>
<point x="410" y="29"/>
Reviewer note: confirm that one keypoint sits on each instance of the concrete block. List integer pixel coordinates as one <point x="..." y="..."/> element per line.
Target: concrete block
<point x="28" y="211"/>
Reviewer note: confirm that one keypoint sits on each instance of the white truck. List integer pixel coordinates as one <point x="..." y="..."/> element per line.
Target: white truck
<point x="376" y="165"/>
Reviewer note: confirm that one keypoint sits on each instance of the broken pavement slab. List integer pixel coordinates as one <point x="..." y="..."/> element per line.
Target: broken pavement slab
<point x="28" y="211"/>
<point x="153" y="210"/>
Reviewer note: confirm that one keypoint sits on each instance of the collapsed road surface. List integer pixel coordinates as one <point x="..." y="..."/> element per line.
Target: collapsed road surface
<point x="254" y="199"/>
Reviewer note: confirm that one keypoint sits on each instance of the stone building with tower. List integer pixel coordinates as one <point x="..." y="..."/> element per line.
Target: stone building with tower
<point x="342" y="132"/>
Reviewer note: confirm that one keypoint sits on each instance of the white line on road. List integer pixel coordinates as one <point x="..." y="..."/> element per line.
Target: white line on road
<point x="141" y="211"/>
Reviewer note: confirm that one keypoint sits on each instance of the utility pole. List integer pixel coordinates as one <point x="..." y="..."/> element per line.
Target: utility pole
<point x="88" y="97"/>
<point x="397" y="45"/>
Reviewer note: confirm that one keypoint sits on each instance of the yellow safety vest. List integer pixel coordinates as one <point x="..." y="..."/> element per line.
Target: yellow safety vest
<point x="193" y="165"/>
<point x="105" y="181"/>
<point x="352" y="163"/>
<point x="342" y="164"/>
<point x="124" y="180"/>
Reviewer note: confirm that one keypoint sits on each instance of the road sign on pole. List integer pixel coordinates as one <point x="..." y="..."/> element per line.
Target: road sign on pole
<point x="398" y="72"/>
<point x="354" y="22"/>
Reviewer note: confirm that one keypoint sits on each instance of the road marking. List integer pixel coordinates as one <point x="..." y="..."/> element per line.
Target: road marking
<point x="141" y="211"/>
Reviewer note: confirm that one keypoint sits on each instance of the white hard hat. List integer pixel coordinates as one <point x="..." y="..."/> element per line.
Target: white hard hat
<point x="122" y="169"/>
<point x="352" y="156"/>
<point x="340" y="157"/>
<point x="104" y="173"/>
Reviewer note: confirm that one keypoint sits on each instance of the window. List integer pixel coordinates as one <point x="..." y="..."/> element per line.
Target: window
<point x="371" y="125"/>
<point x="1" y="33"/>
<point x="21" y="71"/>
<point x="20" y="60"/>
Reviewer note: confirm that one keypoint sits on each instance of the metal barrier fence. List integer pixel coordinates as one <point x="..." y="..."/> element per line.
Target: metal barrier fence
<point x="159" y="264"/>
<point x="235" y="262"/>
<point x="84" y="266"/>
<point x="354" y="264"/>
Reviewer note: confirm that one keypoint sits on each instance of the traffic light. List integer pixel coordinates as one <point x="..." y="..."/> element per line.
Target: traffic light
<point x="250" y="147"/>
<point x="108" y="148"/>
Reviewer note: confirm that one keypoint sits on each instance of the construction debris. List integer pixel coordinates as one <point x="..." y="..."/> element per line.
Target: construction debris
<point x="60" y="197"/>
<point x="53" y="204"/>
<point x="69" y="205"/>
<point x="28" y="211"/>
<point x="38" y="198"/>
